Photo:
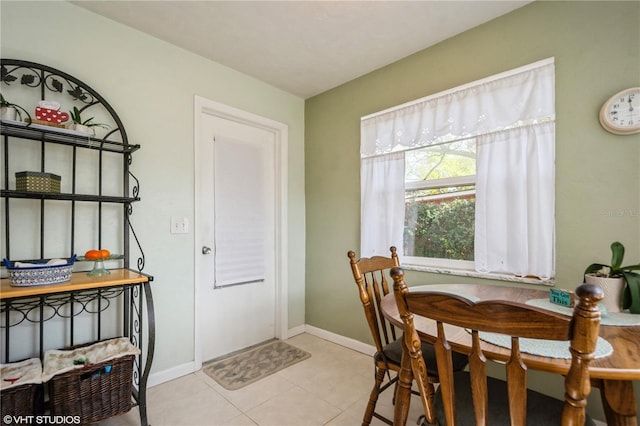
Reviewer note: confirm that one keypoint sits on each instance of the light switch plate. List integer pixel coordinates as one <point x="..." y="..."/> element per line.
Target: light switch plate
<point x="179" y="225"/>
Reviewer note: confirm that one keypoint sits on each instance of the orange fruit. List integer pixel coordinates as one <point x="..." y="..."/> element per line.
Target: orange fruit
<point x="104" y="254"/>
<point x="92" y="255"/>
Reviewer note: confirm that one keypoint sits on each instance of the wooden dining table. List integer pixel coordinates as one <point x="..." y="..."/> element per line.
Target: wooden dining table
<point x="613" y="375"/>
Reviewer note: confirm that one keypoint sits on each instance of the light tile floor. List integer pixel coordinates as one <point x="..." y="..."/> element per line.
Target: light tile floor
<point x="331" y="388"/>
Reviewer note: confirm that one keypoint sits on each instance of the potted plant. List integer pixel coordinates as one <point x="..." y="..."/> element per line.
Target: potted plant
<point x="84" y="126"/>
<point x="628" y="280"/>
<point x="11" y="111"/>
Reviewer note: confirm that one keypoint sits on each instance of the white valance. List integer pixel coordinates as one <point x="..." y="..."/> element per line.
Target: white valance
<point x="510" y="99"/>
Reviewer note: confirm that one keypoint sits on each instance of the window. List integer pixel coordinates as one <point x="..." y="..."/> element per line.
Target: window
<point x="464" y="179"/>
<point x="440" y="201"/>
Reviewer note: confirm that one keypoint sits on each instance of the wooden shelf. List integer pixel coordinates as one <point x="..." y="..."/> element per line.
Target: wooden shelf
<point x="79" y="281"/>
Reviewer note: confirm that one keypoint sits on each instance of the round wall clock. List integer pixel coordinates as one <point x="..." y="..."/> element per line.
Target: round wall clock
<point x="620" y="114"/>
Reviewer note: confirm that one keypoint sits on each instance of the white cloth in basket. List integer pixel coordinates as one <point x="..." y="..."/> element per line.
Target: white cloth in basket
<point x="26" y="372"/>
<point x="52" y="262"/>
<point x="60" y="361"/>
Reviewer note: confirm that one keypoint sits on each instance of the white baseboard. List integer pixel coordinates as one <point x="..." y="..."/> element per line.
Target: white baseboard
<point x="170" y="374"/>
<point x="347" y="342"/>
<point x="295" y="331"/>
<point x="178" y="371"/>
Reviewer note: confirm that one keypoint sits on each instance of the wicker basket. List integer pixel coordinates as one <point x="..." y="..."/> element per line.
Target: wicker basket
<point x="25" y="400"/>
<point x="94" y="393"/>
<point x="21" y="388"/>
<point x="39" y="275"/>
<point x="93" y="382"/>
<point x="37" y="182"/>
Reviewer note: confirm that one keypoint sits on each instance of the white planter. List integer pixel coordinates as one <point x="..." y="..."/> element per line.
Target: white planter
<point x="612" y="288"/>
<point x="80" y="128"/>
<point x="8" y="113"/>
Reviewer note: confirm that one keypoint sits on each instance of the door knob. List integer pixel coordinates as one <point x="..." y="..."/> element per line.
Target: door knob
<point x="206" y="250"/>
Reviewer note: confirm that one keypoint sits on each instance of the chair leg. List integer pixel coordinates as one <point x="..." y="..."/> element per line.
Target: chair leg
<point x="422" y="421"/>
<point x="373" y="398"/>
<point x="430" y="416"/>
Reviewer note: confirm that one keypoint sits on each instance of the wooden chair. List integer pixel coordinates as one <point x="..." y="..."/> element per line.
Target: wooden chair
<point x="473" y="397"/>
<point x="370" y="277"/>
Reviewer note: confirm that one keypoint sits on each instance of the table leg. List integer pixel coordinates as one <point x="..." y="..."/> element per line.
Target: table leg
<point x="618" y="401"/>
<point x="403" y="395"/>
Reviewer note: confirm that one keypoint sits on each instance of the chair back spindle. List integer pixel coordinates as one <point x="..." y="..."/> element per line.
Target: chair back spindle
<point x="369" y="275"/>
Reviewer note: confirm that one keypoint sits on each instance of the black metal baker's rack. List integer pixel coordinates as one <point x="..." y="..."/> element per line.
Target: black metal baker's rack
<point x="135" y="298"/>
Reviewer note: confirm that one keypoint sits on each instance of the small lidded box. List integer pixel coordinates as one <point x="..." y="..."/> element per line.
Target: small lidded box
<point x="37" y="182"/>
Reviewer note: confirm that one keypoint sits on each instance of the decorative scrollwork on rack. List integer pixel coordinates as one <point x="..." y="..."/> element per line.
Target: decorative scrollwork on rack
<point x="136" y="311"/>
<point x="136" y="328"/>
<point x="136" y="187"/>
<point x="53" y="82"/>
<point x="141" y="259"/>
<point x="63" y="305"/>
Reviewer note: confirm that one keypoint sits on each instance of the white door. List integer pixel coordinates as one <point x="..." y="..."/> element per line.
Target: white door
<point x="235" y="227"/>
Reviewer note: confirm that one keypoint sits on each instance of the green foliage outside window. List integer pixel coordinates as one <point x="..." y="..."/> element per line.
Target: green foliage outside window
<point x="442" y="230"/>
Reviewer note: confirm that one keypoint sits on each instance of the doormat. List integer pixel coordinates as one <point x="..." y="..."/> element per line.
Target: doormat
<point x="252" y="364"/>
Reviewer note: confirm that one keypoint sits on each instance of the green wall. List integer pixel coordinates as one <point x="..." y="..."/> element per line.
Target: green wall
<point x="596" y="46"/>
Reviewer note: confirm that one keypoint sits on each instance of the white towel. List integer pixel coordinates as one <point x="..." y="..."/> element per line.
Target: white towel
<point x="52" y="262"/>
<point x="60" y="361"/>
<point x="20" y="373"/>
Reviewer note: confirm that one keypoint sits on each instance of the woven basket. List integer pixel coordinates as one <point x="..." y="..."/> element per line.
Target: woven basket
<point x="25" y="400"/>
<point x="39" y="275"/>
<point x="21" y="388"/>
<point x="95" y="392"/>
<point x="37" y="182"/>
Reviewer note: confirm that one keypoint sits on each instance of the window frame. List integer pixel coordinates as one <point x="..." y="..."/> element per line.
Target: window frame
<point x="435" y="263"/>
<point x="440" y="183"/>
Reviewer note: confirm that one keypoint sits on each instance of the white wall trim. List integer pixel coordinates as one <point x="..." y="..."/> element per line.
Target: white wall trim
<point x="170" y="374"/>
<point x="347" y="342"/>
<point x="295" y="331"/>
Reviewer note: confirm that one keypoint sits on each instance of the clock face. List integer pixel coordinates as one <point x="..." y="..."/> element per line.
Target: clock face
<point x="621" y="113"/>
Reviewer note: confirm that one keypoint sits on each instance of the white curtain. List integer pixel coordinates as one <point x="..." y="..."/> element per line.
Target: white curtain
<point x="382" y="204"/>
<point x="515" y="201"/>
<point x="512" y="115"/>
<point x="501" y="101"/>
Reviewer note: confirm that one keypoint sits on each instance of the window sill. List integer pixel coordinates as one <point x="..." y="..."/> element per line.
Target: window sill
<point x="475" y="274"/>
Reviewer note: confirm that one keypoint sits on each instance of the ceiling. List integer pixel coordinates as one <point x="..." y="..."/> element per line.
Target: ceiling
<point x="303" y="47"/>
